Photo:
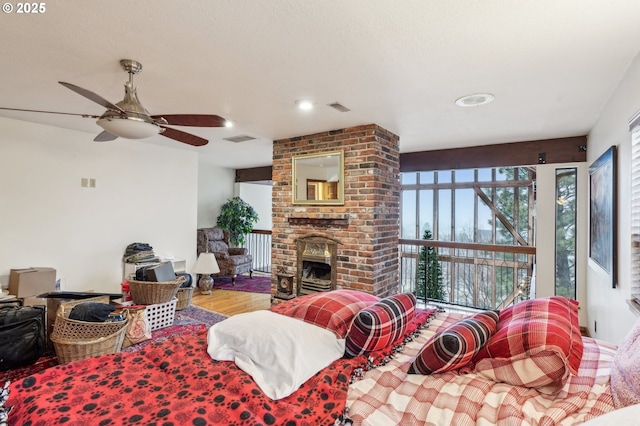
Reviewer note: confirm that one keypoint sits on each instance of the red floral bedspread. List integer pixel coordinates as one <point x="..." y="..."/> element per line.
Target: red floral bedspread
<point x="174" y="382"/>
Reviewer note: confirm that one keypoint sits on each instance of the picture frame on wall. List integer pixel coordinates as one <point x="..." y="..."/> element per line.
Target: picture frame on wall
<point x="602" y="213"/>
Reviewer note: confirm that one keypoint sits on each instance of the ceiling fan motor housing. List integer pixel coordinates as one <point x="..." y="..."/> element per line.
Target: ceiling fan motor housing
<point x="136" y="124"/>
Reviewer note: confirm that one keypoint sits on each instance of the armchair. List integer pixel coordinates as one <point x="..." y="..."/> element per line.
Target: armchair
<point x="231" y="260"/>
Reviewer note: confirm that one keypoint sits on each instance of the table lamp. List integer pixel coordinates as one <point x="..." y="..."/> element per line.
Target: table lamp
<point x="205" y="266"/>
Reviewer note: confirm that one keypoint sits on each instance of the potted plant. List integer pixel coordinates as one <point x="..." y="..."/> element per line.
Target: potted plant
<point x="238" y="218"/>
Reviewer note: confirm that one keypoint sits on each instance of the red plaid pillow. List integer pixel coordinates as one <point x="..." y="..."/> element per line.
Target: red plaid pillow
<point x="537" y="344"/>
<point x="380" y="325"/>
<point x="453" y="347"/>
<point x="332" y="310"/>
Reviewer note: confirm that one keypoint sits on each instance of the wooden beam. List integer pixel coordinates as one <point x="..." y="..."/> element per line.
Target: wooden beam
<point x="560" y="150"/>
<point x="254" y="174"/>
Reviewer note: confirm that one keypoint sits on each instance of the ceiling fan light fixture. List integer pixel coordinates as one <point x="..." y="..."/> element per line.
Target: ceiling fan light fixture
<point x="129" y="128"/>
<point x="476" y="99"/>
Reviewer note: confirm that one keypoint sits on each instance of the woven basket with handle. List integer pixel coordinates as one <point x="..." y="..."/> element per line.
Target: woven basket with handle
<point x="74" y="340"/>
<point x="154" y="292"/>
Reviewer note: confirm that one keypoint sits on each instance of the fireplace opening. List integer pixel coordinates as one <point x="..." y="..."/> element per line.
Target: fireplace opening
<point x="316" y="265"/>
<point x="316" y="271"/>
<point x="316" y="276"/>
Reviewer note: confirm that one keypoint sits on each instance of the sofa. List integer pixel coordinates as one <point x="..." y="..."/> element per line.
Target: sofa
<point x="232" y="261"/>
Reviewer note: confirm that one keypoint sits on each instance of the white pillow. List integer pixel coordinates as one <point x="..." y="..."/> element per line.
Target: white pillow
<point x="279" y="352"/>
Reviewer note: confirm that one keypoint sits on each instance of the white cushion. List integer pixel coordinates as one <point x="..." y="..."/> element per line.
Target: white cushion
<point x="280" y="353"/>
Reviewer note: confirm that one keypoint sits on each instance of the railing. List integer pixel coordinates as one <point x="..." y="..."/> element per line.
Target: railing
<point x="485" y="276"/>
<point x="258" y="244"/>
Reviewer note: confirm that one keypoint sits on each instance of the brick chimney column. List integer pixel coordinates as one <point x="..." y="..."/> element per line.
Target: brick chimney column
<point x="367" y="252"/>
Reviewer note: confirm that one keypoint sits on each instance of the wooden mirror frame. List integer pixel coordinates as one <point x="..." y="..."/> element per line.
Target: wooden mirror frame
<point x="321" y="174"/>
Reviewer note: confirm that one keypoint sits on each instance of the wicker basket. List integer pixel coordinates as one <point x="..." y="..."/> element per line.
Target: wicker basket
<point x="184" y="297"/>
<point x="53" y="307"/>
<point x="152" y="292"/>
<point x="74" y="340"/>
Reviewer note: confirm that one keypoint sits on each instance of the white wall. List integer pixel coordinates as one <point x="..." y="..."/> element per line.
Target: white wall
<point x="215" y="187"/>
<point x="144" y="193"/>
<point x="260" y="198"/>
<point x="607" y="306"/>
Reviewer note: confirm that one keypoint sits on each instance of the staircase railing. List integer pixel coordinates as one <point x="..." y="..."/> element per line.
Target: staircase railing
<point x="258" y="244"/>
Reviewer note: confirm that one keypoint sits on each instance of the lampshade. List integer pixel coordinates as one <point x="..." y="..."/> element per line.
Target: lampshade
<point x="206" y="264"/>
<point x="129" y="128"/>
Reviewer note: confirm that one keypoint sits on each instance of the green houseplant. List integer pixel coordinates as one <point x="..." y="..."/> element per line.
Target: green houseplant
<point x="429" y="275"/>
<point x="238" y="217"/>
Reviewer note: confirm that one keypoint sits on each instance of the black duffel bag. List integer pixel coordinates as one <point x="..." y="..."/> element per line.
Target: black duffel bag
<point x="22" y="335"/>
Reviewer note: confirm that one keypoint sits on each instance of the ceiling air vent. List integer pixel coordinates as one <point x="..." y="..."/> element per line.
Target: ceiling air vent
<point x="339" y="107"/>
<point x="241" y="138"/>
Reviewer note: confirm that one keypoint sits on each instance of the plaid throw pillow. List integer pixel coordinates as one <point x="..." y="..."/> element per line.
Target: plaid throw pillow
<point x="332" y="310"/>
<point x="453" y="347"/>
<point x="380" y="325"/>
<point x="537" y="345"/>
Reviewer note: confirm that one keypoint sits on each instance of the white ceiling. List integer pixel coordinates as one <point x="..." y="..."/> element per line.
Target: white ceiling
<point x="552" y="65"/>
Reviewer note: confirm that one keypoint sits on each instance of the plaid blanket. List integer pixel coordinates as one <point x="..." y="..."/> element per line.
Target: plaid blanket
<point x="388" y="395"/>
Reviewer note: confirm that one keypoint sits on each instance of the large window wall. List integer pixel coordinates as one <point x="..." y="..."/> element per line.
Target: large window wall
<point x="480" y="226"/>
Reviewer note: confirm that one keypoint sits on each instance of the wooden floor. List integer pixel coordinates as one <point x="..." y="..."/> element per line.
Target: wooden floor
<point x="230" y="302"/>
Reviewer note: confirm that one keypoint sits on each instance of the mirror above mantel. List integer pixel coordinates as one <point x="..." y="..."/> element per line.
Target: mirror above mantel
<point x="318" y="179"/>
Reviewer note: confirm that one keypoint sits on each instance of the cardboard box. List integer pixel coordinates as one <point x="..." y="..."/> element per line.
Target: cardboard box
<point x="34" y="301"/>
<point x="32" y="281"/>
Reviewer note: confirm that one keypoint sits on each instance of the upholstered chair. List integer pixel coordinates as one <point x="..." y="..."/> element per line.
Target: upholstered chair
<point x="232" y="261"/>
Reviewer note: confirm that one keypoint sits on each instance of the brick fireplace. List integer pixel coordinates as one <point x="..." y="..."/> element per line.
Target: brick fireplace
<point x="365" y="229"/>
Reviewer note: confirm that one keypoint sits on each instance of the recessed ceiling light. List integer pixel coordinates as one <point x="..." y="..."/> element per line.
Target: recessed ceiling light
<point x="304" y="104"/>
<point x="476" y="99"/>
<point x="228" y="123"/>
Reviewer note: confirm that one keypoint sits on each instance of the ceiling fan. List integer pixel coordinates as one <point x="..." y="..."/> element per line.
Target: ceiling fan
<point x="130" y="120"/>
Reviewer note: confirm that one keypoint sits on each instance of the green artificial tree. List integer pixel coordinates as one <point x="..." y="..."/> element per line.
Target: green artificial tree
<point x="429" y="283"/>
<point x="238" y="218"/>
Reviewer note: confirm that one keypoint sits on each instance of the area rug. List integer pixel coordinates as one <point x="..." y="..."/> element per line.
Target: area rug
<point x="257" y="284"/>
<point x="195" y="315"/>
<point x="189" y="320"/>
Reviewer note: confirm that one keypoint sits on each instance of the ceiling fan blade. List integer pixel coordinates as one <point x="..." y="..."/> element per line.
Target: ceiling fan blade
<point x="183" y="137"/>
<point x="92" y="96"/>
<point x="105" y="137"/>
<point x="196" y="120"/>
<point x="50" y="112"/>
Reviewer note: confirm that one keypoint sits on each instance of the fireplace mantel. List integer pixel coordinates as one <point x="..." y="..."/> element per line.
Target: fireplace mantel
<point x="319" y="221"/>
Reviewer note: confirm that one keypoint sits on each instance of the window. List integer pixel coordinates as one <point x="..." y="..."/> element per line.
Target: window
<point x="634" y="125"/>
<point x="565" y="240"/>
<point x="481" y="221"/>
